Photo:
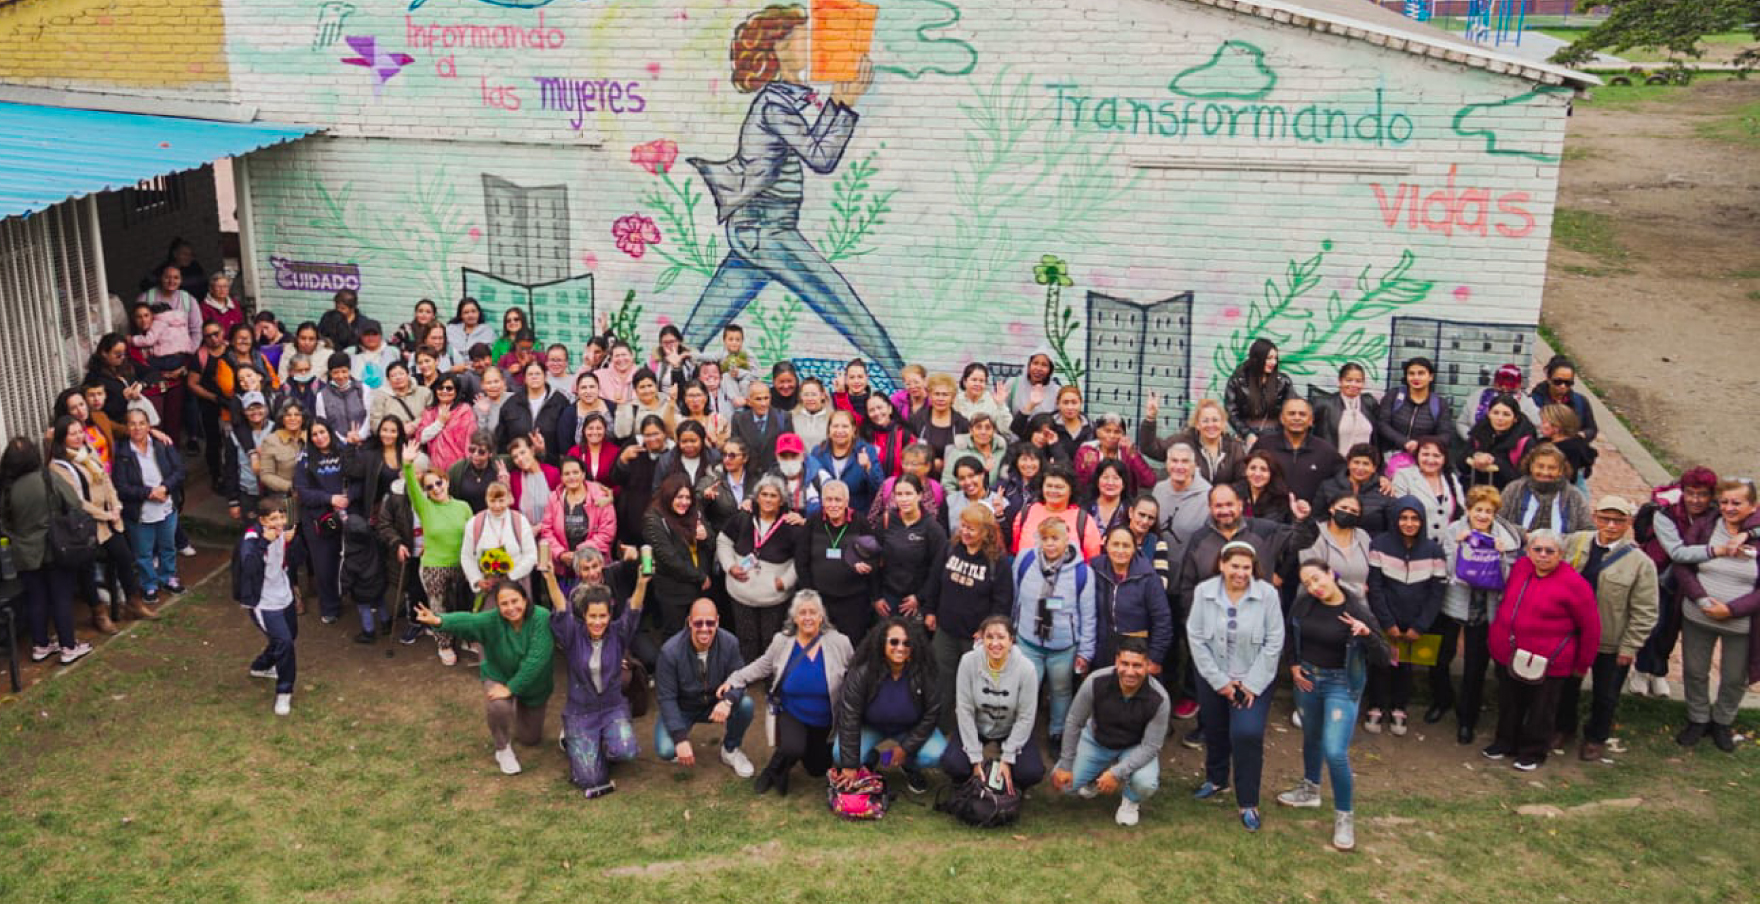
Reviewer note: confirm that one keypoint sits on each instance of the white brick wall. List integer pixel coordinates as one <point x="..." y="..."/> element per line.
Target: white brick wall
<point x="985" y="177"/>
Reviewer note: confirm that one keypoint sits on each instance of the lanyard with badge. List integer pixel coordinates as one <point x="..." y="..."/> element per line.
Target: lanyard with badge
<point x="833" y="550"/>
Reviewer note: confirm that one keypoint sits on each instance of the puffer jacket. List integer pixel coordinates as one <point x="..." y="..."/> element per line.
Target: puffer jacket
<point x="1136" y="606"/>
<point x="601" y="522"/>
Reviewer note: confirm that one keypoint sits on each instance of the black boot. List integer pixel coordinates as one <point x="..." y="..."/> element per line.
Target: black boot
<point x="1724" y="737"/>
<point x="1690" y="735"/>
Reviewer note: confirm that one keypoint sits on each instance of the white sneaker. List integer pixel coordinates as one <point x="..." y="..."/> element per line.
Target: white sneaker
<point x="104" y="595"/>
<point x="1295" y="718"/>
<point x="263" y="673"/>
<point x="737" y="761"/>
<point x="1305" y="794"/>
<point x="283" y="704"/>
<point x="509" y="762"/>
<point x="38" y="654"/>
<point x="447" y="657"/>
<point x="70" y="654"/>
<point x="1659" y="686"/>
<point x="1127" y="812"/>
<point x="1638" y="684"/>
<point x="187" y="552"/>
<point x="1344" y="832"/>
<point x="1088" y="791"/>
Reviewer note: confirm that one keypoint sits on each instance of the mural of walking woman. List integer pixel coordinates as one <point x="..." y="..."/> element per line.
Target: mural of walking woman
<point x="758" y="191"/>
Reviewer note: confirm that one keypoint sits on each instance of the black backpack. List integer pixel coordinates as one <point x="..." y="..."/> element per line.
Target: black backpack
<point x="975" y="803"/>
<point x="73" y="535"/>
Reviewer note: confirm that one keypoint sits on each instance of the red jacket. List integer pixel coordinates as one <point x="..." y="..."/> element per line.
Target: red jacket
<point x="1555" y="616"/>
<point x="552" y="479"/>
<point x="598" y="470"/>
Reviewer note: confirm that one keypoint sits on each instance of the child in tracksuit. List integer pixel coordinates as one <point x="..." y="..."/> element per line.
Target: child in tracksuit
<point x="261" y="585"/>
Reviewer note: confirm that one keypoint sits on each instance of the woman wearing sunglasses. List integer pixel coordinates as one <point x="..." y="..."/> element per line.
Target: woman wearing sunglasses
<point x="443" y="521"/>
<point x="889" y="693"/>
<point x="1559" y="388"/>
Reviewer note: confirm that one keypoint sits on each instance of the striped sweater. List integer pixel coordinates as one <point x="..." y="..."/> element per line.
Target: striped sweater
<point x="1406" y="581"/>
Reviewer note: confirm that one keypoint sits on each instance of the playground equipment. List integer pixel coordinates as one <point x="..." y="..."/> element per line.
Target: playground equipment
<point x="1497" y="22"/>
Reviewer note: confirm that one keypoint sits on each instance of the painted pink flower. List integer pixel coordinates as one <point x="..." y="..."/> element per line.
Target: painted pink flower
<point x="656" y="156"/>
<point x="634" y="234"/>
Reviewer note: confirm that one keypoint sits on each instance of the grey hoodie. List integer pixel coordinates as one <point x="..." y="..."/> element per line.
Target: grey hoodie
<point x="1183" y="514"/>
<point x="990" y="707"/>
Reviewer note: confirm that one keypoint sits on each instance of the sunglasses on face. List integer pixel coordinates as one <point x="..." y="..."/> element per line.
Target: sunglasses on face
<point x="897" y="642"/>
<point x="214" y="335"/>
<point x="704" y="622"/>
<point x="1543" y="551"/>
<point x="1564" y="382"/>
<point x="433" y="485"/>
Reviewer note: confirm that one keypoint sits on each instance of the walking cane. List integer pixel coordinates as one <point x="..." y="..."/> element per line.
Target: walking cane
<point x="402" y="575"/>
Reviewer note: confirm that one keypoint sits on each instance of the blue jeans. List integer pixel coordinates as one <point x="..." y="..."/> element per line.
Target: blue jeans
<point x="1234" y="736"/>
<point x="1329" y="718"/>
<point x="155" y="552"/>
<point x="737" y="723"/>
<point x="1092" y="759"/>
<point x="1060" y="665"/>
<point x="764" y="245"/>
<point x="928" y="755"/>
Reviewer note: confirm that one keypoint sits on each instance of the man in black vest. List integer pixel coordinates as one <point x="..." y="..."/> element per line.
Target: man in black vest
<point x="1113" y="734"/>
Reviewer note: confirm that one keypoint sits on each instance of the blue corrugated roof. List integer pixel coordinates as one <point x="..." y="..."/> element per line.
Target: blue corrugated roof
<point x="50" y="154"/>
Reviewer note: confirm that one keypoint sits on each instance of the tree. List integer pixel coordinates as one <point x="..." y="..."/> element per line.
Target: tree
<point x="1677" y="25"/>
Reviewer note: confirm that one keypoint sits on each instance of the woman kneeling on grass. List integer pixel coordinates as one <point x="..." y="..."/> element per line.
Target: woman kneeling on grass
<point x="516" y="664"/>
<point x="596" y="729"/>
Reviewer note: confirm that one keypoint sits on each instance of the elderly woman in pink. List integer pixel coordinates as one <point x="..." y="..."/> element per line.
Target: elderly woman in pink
<point x="580" y="511"/>
<point x="445" y="429"/>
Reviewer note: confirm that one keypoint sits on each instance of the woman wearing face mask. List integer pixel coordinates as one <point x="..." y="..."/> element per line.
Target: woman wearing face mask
<point x="1414" y="410"/>
<point x="812" y="412"/>
<point x="1406" y="582"/>
<point x="1544" y="498"/>
<point x="444" y="430"/>
<point x="1467" y="608"/>
<point x="634" y="476"/>
<point x="805" y="663"/>
<point x="888" y="438"/>
<point x="673" y="527"/>
<point x="844" y="457"/>
<point x="1343" y="545"/>
<point x="1434" y="485"/>
<point x="757" y="552"/>
<point x="976" y="396"/>
<point x="1347" y="417"/>
<point x="1496" y="443"/>
<point x="995" y="702"/>
<point x="826" y="561"/>
<point x="596" y="726"/>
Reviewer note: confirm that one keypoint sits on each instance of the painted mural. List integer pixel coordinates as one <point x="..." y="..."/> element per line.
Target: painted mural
<point x="912" y="180"/>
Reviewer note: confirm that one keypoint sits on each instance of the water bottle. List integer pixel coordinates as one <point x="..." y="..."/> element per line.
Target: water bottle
<point x="8" y="570"/>
<point x="647" y="559"/>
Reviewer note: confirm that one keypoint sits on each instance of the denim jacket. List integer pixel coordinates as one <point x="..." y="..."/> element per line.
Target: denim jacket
<point x="1258" y="635"/>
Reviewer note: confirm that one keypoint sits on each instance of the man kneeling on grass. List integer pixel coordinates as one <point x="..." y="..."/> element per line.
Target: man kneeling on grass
<point x="693" y="664"/>
<point x="1112" y="736"/>
<point x="260" y="584"/>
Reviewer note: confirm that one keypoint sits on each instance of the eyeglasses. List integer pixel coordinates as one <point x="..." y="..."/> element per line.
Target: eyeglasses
<point x="897" y="642"/>
<point x="704" y="622"/>
<point x="1564" y="382"/>
<point x="446" y="389"/>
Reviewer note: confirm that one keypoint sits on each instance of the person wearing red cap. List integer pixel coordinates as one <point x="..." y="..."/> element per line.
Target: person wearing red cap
<point x="791" y="466"/>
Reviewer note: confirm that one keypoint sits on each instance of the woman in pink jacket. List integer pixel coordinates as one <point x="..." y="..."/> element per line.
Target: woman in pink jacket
<point x="445" y="429"/>
<point x="1548" y="611"/>
<point x="580" y="511"/>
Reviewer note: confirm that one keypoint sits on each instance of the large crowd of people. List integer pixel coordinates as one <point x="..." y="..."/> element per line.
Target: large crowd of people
<point x="970" y="575"/>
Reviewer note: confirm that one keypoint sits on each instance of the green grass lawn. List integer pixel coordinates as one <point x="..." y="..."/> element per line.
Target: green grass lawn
<point x="154" y="772"/>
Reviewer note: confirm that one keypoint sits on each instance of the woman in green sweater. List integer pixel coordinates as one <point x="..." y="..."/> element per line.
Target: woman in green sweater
<point x="516" y="665"/>
<point x="443" y="521"/>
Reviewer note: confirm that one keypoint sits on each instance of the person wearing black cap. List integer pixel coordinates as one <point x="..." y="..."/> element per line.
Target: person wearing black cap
<point x="342" y="403"/>
<point x="369" y="359"/>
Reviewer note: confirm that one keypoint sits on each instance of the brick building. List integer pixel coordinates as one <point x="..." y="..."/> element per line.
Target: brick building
<point x="1143" y="185"/>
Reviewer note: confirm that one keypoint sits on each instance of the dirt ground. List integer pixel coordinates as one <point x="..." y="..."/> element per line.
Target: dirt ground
<point x="1671" y="341"/>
